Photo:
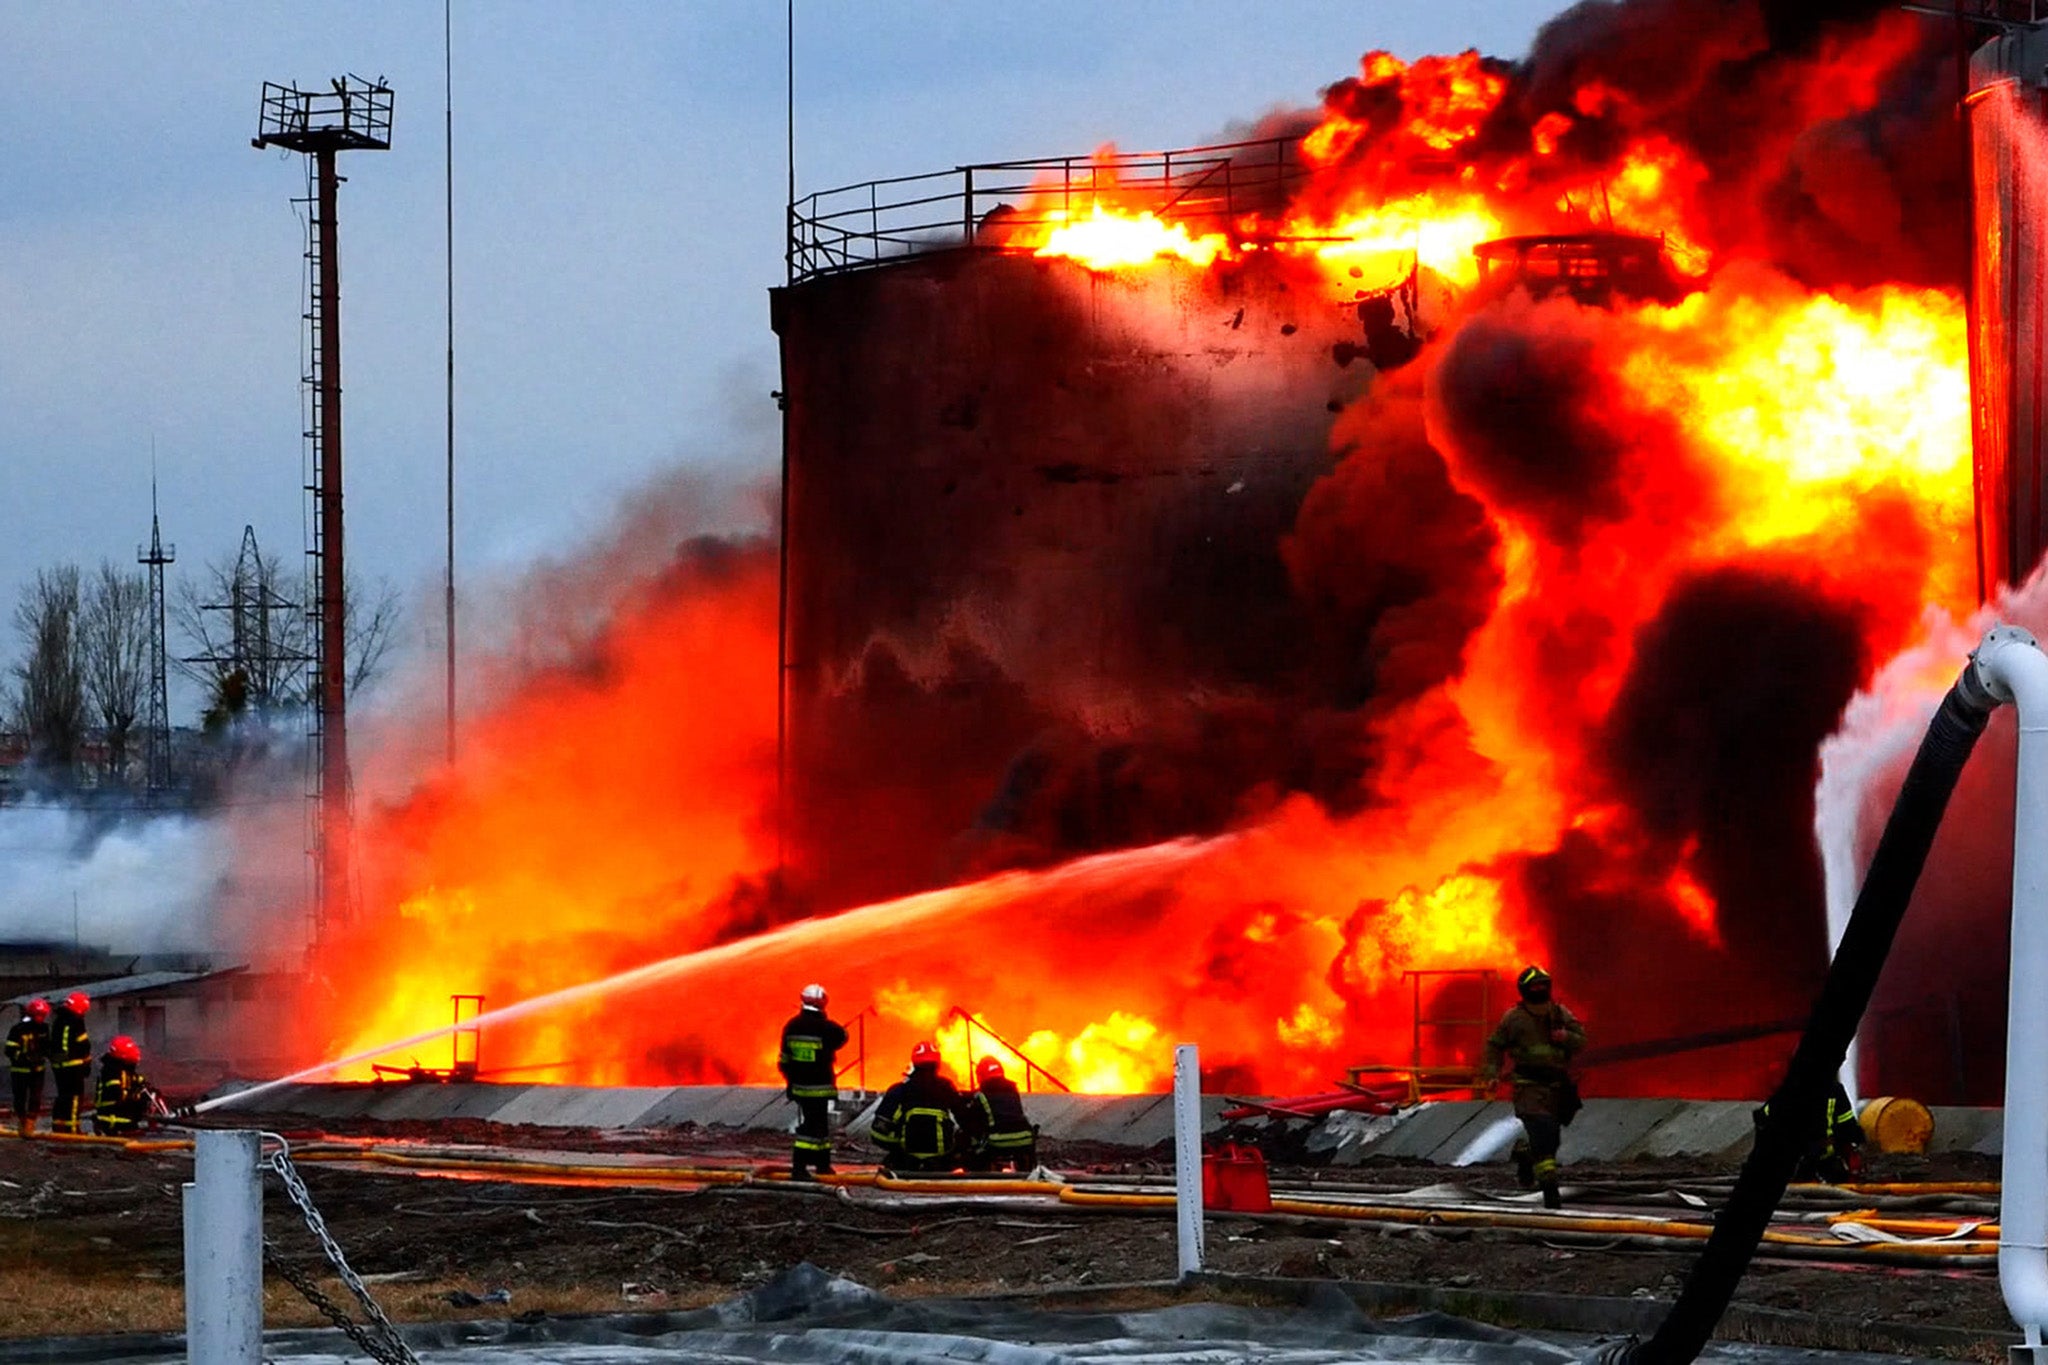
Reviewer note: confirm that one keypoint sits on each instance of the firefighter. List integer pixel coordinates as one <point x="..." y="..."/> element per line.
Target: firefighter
<point x="917" y="1123"/>
<point x="70" y="1060"/>
<point x="994" y="1124"/>
<point x="810" y="1044"/>
<point x="28" y="1053"/>
<point x="1540" y="1037"/>
<point x="124" y="1100"/>
<point x="1834" y="1155"/>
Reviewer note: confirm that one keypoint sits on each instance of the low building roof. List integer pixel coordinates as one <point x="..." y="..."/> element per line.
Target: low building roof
<point x="141" y="983"/>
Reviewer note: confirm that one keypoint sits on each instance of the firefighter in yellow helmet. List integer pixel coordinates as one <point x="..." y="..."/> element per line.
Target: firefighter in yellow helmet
<point x="1537" y="1038"/>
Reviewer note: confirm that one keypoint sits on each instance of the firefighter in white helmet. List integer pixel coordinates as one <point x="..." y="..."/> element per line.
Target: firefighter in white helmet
<point x="810" y="1045"/>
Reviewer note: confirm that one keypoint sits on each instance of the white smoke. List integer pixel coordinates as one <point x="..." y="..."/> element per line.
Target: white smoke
<point x="128" y="882"/>
<point x="1863" y="764"/>
<point x="1879" y="731"/>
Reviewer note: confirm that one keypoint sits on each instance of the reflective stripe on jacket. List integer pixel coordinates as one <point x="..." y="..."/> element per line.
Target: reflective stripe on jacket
<point x="28" y="1045"/>
<point x="810" y="1046"/>
<point x="919" y="1117"/>
<point x="70" y="1045"/>
<point x="995" y="1116"/>
<point x="122" y="1099"/>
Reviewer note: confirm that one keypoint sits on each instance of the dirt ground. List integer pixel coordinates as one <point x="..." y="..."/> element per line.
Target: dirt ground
<point x="90" y="1241"/>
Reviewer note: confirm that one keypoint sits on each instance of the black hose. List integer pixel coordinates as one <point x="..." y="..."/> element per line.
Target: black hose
<point x="1796" y="1111"/>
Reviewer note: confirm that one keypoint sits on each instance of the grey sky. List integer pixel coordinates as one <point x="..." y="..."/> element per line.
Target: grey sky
<point x="620" y="182"/>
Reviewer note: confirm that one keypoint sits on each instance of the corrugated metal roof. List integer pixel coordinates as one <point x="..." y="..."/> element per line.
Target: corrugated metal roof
<point x="142" y="983"/>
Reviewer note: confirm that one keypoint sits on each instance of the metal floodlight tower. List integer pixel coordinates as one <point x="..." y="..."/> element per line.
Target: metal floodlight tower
<point x="351" y="115"/>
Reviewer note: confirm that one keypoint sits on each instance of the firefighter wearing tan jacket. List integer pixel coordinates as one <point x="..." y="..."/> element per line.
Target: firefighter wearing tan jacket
<point x="1539" y="1037"/>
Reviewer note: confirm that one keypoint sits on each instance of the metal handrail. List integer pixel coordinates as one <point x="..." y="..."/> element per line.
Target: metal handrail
<point x="874" y="222"/>
<point x="1435" y="1078"/>
<point x="350" y="113"/>
<point x="860" y="1058"/>
<point x="955" y="1012"/>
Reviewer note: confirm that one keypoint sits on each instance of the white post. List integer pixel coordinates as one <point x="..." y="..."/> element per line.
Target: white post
<point x="1187" y="1154"/>
<point x="224" y="1251"/>
<point x="2014" y="669"/>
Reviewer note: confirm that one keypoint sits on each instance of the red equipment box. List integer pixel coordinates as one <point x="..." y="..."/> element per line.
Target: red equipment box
<point x="1234" y="1180"/>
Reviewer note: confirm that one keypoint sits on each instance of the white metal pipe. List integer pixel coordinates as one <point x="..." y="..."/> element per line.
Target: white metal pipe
<point x="224" y="1251"/>
<point x="1187" y="1154"/>
<point x="2012" y="668"/>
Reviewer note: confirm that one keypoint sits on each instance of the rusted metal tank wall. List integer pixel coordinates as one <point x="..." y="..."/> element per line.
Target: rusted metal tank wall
<point x="2009" y="313"/>
<point x="1020" y="494"/>
<point x="1935" y="1029"/>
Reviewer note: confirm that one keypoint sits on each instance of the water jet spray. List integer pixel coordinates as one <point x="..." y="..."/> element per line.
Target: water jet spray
<point x="882" y="918"/>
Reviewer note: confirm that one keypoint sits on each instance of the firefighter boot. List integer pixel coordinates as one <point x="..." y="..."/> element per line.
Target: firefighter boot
<point x="799" y="1168"/>
<point x="1551" y="1198"/>
<point x="1525" y="1167"/>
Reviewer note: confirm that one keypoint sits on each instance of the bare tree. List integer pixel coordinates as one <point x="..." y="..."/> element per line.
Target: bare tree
<point x="371" y="623"/>
<point x="113" y="647"/>
<point x="51" y="701"/>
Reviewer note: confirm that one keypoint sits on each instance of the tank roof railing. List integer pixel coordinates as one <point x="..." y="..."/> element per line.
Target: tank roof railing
<point x="1007" y="205"/>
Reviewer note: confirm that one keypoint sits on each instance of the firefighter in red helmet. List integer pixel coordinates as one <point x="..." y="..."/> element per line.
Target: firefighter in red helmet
<point x="28" y="1054"/>
<point x="917" y="1122"/>
<point x="122" y="1103"/>
<point x="994" y="1124"/>
<point x="1539" y="1037"/>
<point x="70" y="1060"/>
<point x="810" y="1047"/>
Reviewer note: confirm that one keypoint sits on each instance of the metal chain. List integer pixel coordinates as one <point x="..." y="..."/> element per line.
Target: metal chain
<point x="332" y="1311"/>
<point x="392" y="1349"/>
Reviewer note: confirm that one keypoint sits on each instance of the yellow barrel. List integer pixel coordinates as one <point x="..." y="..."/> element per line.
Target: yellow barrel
<point x="1897" y="1125"/>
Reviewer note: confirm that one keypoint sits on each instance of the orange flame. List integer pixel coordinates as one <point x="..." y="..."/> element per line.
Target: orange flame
<point x="1110" y="240"/>
<point x="609" y="812"/>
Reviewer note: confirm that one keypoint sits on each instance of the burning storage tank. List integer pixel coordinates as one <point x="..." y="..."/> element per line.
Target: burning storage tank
<point x="1132" y="500"/>
<point x="1029" y="503"/>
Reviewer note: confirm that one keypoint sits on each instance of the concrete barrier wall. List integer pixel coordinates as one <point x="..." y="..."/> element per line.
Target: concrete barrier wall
<point x="1454" y="1133"/>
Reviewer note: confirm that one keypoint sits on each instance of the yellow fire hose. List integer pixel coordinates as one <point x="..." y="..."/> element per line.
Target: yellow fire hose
<point x="105" y="1140"/>
<point x="692" y="1175"/>
<point x="1960" y="1240"/>
<point x="1918" y="1227"/>
<point x="1989" y="1187"/>
<point x="1550" y="1222"/>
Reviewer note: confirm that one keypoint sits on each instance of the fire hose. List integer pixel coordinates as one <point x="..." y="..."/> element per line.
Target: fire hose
<point x="1797" y="1109"/>
<point x="1861" y="1224"/>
